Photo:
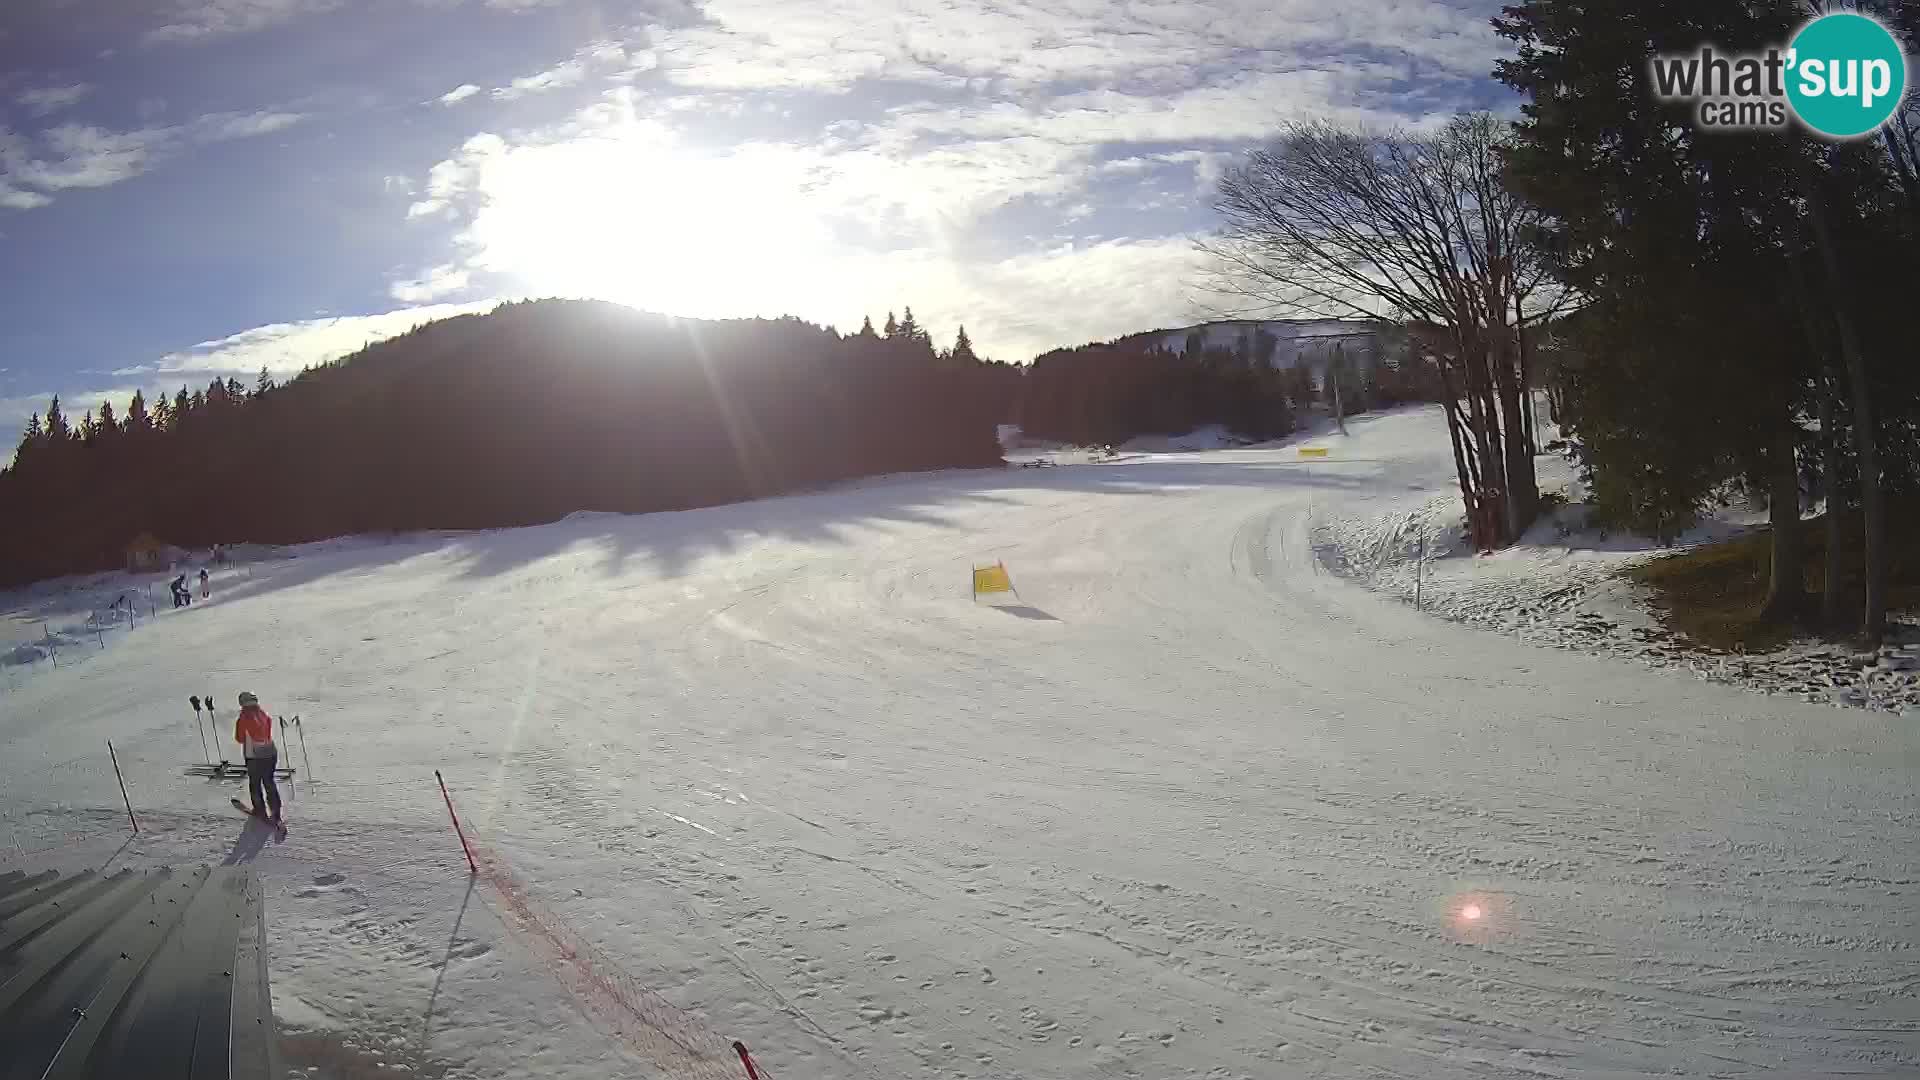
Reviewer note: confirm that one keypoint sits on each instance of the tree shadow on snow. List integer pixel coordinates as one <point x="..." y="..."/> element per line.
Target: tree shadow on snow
<point x="671" y="542"/>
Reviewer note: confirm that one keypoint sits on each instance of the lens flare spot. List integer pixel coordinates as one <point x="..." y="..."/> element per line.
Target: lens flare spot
<point x="1471" y="912"/>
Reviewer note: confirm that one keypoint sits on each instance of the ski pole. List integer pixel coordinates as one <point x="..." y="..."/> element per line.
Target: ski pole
<point x="293" y="787"/>
<point x="304" y="754"/>
<point x="123" y="786"/>
<point x="200" y="731"/>
<point x="457" y="830"/>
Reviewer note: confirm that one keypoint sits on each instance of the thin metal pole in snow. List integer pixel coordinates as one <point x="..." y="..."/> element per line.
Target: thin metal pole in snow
<point x="123" y="786"/>
<point x="1419" y="570"/>
<point x="457" y="830"/>
<point x="302" y="729"/>
<point x="292" y="786"/>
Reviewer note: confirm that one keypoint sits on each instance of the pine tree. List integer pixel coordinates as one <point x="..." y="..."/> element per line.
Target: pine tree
<point x="963" y="349"/>
<point x="31" y="440"/>
<point x="182" y="405"/>
<point x="913" y="332"/>
<point x="137" y="419"/>
<point x="57" y="430"/>
<point x="163" y="413"/>
<point x="866" y="328"/>
<point x="217" y="392"/>
<point x="109" y="424"/>
<point x="235" y="391"/>
<point x="1668" y="229"/>
<point x="893" y="328"/>
<point x="87" y="427"/>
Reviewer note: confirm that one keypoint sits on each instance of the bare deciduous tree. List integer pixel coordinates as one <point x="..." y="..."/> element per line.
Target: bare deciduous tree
<point x="1418" y="228"/>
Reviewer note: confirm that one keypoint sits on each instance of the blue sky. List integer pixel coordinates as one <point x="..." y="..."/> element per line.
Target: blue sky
<point x="192" y="188"/>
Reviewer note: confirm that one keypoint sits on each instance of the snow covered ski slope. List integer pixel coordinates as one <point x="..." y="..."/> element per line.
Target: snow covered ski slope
<point x="1190" y="807"/>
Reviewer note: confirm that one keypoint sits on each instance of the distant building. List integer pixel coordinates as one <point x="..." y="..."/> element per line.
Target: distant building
<point x="146" y="554"/>
<point x="1295" y="342"/>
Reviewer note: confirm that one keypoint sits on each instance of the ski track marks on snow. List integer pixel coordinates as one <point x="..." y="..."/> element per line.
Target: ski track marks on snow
<point x="1200" y="810"/>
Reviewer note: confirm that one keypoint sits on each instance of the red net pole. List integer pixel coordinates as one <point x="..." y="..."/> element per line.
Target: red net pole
<point x="457" y="830"/>
<point x="746" y="1059"/>
<point x="131" y="820"/>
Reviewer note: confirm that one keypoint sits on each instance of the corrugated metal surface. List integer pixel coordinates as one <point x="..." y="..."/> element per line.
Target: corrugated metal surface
<point x="159" y="974"/>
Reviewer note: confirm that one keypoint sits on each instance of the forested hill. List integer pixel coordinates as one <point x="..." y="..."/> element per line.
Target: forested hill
<point x="517" y="416"/>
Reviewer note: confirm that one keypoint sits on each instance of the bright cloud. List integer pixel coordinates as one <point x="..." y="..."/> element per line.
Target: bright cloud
<point x="284" y="348"/>
<point x="439" y="281"/>
<point x="1242" y="107"/>
<point x="1040" y="43"/>
<point x="570" y="73"/>
<point x="1035" y="168"/>
<point x="220" y="126"/>
<point x="197" y="20"/>
<point x="1042" y="111"/>
<point x="602" y="56"/>
<point x="621" y="208"/>
<point x="76" y="156"/>
<point x="82" y="156"/>
<point x="51" y="99"/>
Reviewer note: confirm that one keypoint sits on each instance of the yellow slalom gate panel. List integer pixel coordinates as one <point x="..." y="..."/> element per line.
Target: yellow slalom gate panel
<point x="1313" y="451"/>
<point x="988" y="579"/>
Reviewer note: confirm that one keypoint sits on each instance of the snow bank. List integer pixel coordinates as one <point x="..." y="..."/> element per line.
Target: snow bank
<point x="1562" y="586"/>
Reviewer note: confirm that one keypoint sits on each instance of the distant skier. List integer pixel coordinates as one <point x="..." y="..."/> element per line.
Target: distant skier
<point x="254" y="732"/>
<point x="203" y="583"/>
<point x="182" y="596"/>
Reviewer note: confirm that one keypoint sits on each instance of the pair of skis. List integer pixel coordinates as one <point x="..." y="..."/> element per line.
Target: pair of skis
<point x="227" y="770"/>
<point x="280" y="825"/>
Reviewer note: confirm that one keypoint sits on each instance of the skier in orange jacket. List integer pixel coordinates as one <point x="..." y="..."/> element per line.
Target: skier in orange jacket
<point x="254" y="732"/>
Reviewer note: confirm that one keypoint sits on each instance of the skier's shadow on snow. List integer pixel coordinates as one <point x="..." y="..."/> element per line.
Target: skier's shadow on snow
<point x="246" y="847"/>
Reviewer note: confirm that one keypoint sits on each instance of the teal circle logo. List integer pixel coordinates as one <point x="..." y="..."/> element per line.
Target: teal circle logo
<point x="1846" y="75"/>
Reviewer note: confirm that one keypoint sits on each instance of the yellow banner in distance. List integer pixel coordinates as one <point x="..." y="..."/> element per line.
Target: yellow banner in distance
<point x="991" y="579"/>
<point x="1313" y="451"/>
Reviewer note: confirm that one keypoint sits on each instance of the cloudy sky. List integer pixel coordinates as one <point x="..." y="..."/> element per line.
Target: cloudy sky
<point x="201" y="187"/>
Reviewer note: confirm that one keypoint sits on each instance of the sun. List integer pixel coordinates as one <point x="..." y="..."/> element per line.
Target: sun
<point x="629" y="214"/>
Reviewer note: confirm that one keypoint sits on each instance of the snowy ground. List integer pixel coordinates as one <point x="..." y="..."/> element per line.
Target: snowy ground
<point x="1562" y="587"/>
<point x="1190" y="806"/>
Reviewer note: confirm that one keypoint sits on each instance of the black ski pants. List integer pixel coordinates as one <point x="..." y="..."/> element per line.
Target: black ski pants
<point x="260" y="775"/>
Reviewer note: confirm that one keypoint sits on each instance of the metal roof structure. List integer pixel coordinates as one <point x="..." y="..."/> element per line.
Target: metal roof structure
<point x="156" y="974"/>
